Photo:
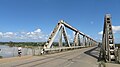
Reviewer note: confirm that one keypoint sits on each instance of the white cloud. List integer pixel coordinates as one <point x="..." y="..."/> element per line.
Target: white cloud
<point x="1" y="33"/>
<point x="100" y="33"/>
<point x="38" y="30"/>
<point x="35" y="35"/>
<point x="116" y="29"/>
<point x="9" y="35"/>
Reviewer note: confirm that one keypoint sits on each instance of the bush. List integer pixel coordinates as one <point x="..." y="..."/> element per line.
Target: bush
<point x="1" y="57"/>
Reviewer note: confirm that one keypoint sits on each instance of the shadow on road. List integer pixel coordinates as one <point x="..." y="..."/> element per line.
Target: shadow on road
<point x="89" y="52"/>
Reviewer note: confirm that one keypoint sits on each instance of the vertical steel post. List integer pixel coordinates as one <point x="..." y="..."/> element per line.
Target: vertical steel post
<point x="60" y="37"/>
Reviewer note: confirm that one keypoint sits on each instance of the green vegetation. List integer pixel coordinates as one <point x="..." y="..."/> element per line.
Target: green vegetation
<point x="29" y="44"/>
<point x="0" y="56"/>
<point x="23" y="44"/>
<point x="117" y="45"/>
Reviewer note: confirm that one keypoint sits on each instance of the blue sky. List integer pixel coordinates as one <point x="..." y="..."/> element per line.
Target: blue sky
<point x="19" y="19"/>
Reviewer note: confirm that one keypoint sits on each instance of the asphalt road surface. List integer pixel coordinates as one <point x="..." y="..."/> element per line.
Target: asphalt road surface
<point x="85" y="57"/>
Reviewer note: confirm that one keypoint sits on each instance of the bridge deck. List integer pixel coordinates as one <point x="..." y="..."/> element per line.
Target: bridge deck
<point x="112" y="65"/>
<point x="73" y="58"/>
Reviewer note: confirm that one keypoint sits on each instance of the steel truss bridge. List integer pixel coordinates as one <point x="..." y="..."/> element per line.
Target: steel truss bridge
<point x="107" y="52"/>
<point x="61" y="29"/>
<point x="84" y="51"/>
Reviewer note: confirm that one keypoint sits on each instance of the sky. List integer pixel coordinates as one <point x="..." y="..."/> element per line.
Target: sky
<point x="33" y="20"/>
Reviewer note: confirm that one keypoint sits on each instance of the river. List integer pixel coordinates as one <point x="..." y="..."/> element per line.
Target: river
<point x="7" y="51"/>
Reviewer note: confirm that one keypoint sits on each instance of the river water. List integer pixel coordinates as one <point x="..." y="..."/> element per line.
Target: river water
<point x="7" y="51"/>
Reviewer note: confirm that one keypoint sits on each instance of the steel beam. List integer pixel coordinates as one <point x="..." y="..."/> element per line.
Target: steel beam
<point x="65" y="36"/>
<point x="75" y="42"/>
<point x="60" y="38"/>
<point x="108" y="40"/>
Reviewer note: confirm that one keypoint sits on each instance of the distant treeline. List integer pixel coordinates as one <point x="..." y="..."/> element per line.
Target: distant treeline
<point x="23" y="44"/>
<point x="117" y="45"/>
<point x="30" y="44"/>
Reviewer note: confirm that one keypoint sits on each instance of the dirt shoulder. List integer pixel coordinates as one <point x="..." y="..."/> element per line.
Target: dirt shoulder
<point x="4" y="60"/>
